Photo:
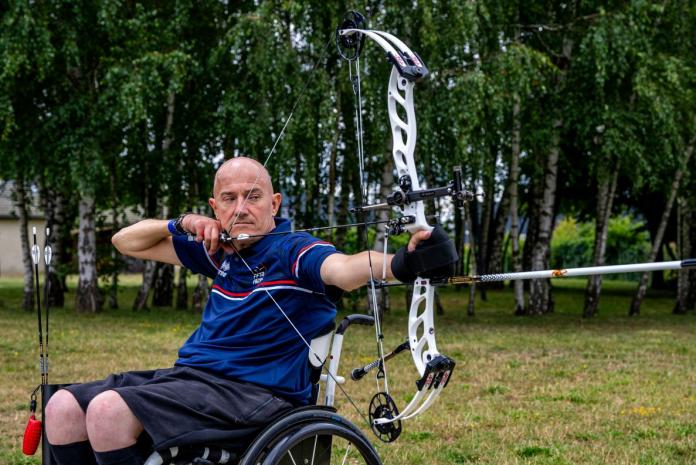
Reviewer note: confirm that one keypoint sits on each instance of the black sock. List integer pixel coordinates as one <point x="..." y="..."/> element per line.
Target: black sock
<point x="126" y="456"/>
<point x="70" y="454"/>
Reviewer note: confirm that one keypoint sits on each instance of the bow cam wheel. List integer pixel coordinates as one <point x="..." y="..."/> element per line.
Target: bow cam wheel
<point x="383" y="406"/>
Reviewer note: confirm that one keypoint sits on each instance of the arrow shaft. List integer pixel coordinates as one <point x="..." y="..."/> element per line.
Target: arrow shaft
<point x="572" y="272"/>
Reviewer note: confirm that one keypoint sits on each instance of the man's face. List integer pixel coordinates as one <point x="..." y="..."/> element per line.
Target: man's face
<point x="243" y="200"/>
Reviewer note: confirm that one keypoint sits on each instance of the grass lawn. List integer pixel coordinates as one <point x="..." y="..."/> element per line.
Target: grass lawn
<point x="547" y="390"/>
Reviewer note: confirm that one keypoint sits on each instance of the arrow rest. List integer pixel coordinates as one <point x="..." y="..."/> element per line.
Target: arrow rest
<point x="382" y="405"/>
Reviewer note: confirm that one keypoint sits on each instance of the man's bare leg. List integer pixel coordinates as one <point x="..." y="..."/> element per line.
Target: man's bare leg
<point x="66" y="430"/>
<point x="65" y="419"/>
<point x="110" y="423"/>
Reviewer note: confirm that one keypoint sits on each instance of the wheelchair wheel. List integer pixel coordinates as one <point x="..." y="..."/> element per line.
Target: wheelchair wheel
<point x="312" y="437"/>
<point x="322" y="444"/>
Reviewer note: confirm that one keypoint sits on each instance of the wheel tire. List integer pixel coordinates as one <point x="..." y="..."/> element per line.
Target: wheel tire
<point x="314" y="431"/>
<point x="322" y="444"/>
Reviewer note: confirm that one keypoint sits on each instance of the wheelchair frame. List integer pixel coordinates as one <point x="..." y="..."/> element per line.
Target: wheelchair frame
<point x="297" y="435"/>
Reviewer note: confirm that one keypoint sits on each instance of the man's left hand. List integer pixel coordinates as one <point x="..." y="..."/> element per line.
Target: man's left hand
<point x="429" y="254"/>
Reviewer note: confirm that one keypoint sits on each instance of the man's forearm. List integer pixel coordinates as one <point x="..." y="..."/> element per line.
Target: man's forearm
<point x="353" y="271"/>
<point x="147" y="239"/>
<point x="140" y="236"/>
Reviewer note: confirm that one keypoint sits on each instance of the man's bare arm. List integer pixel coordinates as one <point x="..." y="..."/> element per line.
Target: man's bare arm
<point x="353" y="271"/>
<point x="147" y="239"/>
<point x="151" y="239"/>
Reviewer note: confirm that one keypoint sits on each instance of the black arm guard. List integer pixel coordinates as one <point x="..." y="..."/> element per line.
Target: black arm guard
<point x="435" y="257"/>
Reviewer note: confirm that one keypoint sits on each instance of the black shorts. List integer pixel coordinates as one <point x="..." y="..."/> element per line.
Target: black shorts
<point x="183" y="405"/>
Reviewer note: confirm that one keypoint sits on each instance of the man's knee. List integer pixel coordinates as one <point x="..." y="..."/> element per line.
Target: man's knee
<point x="110" y="422"/>
<point x="64" y="419"/>
<point x="106" y="407"/>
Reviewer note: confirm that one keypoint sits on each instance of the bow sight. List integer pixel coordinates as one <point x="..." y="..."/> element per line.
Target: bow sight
<point x="407" y="195"/>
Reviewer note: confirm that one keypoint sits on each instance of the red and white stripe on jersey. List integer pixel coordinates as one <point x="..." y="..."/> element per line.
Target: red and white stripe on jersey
<point x="304" y="250"/>
<point x="263" y="287"/>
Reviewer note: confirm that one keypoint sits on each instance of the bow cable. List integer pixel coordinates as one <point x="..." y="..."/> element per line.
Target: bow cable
<point x="382" y="372"/>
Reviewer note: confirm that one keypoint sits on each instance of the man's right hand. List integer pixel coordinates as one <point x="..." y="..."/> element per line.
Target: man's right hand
<point x="206" y="230"/>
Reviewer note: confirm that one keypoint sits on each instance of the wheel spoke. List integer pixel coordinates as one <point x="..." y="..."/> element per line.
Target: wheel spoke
<point x="346" y="455"/>
<point x="292" y="458"/>
<point x="314" y="449"/>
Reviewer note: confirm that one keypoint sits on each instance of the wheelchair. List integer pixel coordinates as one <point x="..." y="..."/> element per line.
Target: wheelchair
<point x="308" y="435"/>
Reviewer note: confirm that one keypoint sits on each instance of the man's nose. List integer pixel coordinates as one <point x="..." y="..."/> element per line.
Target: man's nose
<point x="240" y="207"/>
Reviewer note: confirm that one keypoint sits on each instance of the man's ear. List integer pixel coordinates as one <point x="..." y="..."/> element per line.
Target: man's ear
<point x="211" y="202"/>
<point x="277" y="200"/>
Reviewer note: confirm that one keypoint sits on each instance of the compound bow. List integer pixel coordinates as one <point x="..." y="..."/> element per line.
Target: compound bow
<point x="434" y="368"/>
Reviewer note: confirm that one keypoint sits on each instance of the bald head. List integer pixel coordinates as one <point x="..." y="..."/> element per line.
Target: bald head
<point x="242" y="168"/>
<point x="243" y="198"/>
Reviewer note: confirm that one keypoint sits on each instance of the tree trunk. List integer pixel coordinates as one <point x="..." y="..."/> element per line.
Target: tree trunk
<point x="53" y="286"/>
<point x="691" y="227"/>
<point x="163" y="289"/>
<point x="163" y="285"/>
<point x="684" y="220"/>
<point x="482" y="245"/>
<point x="115" y="255"/>
<point x="539" y="294"/>
<point x="540" y="298"/>
<point x="182" y="290"/>
<point x="497" y="243"/>
<point x="200" y="294"/>
<point x="21" y="202"/>
<point x="87" y="297"/>
<point x="533" y="218"/>
<point x="657" y="240"/>
<point x="470" y="309"/>
<point x="149" y="272"/>
<point x="514" y="205"/>
<point x="606" y="189"/>
<point x="331" y="204"/>
<point x="61" y="240"/>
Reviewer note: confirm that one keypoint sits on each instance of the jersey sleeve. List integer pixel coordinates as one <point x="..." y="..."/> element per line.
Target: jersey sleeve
<point x="306" y="254"/>
<point x="193" y="256"/>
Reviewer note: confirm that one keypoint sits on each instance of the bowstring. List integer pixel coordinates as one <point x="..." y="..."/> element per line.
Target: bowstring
<point x="304" y="340"/>
<point x="312" y="73"/>
<point x="365" y="198"/>
<point x="246" y="198"/>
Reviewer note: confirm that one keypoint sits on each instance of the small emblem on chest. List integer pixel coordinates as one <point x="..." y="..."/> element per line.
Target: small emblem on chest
<point x="259" y="273"/>
<point x="224" y="268"/>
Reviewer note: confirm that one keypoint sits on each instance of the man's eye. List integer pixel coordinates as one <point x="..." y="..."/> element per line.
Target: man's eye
<point x="254" y="197"/>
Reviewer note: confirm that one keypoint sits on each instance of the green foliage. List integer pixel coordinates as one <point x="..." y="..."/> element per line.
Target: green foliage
<point x="139" y="102"/>
<point x="572" y="243"/>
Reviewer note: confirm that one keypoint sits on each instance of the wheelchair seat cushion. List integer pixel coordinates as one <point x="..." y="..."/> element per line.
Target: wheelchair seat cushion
<point x="183" y="405"/>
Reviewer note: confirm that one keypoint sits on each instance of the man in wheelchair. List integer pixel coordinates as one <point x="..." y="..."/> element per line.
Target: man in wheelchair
<point x="244" y="364"/>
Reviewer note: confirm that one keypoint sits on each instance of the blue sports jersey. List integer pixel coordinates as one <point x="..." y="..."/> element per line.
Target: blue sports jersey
<point x="243" y="334"/>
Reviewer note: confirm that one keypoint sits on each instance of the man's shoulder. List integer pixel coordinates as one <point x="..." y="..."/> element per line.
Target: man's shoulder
<point x="302" y="239"/>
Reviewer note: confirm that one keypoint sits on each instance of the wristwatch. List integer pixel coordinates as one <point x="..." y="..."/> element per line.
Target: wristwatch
<point x="178" y="226"/>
